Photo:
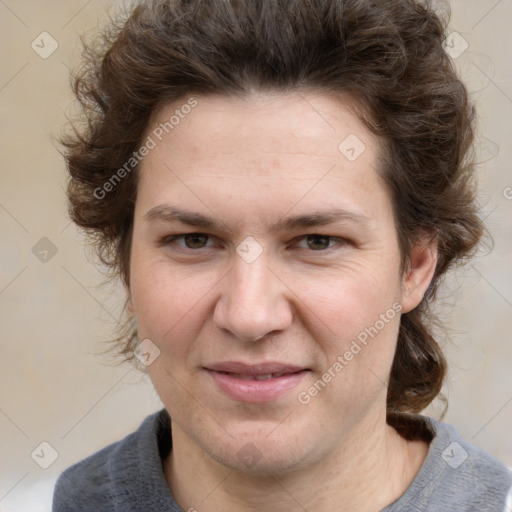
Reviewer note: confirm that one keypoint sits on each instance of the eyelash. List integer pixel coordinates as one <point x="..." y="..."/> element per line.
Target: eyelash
<point x="168" y="240"/>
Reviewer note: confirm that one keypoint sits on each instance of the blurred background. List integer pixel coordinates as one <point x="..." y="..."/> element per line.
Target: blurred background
<point x="60" y="399"/>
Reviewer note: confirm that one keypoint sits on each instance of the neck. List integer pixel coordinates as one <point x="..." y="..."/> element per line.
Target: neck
<point x="367" y="471"/>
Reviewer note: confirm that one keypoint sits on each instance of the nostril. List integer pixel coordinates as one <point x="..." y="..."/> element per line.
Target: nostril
<point x="253" y="339"/>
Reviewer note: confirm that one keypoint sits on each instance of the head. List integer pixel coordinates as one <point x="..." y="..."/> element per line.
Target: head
<point x="250" y="113"/>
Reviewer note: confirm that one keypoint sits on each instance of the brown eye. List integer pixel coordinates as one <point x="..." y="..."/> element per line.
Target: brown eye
<point x="195" y="240"/>
<point x="187" y="241"/>
<point x="320" y="242"/>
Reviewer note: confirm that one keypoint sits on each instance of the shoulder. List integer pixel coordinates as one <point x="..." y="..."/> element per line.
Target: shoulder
<point x="99" y="481"/>
<point x="87" y="481"/>
<point x="471" y="468"/>
<point x="456" y="476"/>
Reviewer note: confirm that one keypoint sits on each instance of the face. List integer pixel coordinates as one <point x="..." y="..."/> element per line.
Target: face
<point x="265" y="268"/>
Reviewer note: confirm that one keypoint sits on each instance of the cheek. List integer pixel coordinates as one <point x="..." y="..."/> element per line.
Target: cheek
<point x="348" y="299"/>
<point x="357" y="328"/>
<point x="355" y="319"/>
<point x="168" y="300"/>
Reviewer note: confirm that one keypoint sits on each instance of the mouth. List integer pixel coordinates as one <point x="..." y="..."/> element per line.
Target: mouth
<point x="265" y="376"/>
<point x="255" y="383"/>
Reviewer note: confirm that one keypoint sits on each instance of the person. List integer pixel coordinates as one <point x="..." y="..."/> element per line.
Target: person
<point x="281" y="185"/>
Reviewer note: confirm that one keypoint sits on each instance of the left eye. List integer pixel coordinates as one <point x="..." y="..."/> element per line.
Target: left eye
<point x="320" y="242"/>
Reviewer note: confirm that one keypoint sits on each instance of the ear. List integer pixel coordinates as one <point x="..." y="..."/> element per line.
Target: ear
<point x="422" y="266"/>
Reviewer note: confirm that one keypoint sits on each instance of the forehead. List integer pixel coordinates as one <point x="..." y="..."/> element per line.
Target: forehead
<point x="271" y="145"/>
<point x="312" y="125"/>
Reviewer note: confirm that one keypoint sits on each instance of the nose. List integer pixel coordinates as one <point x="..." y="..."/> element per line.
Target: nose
<point x="254" y="301"/>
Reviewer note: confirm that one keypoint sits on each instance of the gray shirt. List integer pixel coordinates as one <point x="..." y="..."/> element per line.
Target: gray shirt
<point x="127" y="476"/>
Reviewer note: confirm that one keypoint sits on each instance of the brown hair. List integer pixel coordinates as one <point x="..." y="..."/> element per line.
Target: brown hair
<point x="386" y="54"/>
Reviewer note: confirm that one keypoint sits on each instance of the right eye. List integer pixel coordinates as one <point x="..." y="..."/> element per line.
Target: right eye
<point x="193" y="241"/>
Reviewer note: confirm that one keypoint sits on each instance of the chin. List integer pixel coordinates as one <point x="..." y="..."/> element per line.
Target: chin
<point x="251" y="460"/>
<point x="258" y="452"/>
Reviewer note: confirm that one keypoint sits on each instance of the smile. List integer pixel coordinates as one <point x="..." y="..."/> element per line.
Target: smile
<point x="256" y="377"/>
<point x="253" y="384"/>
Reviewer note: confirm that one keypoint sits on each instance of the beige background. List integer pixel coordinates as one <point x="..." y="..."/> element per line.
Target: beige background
<point x="54" y="315"/>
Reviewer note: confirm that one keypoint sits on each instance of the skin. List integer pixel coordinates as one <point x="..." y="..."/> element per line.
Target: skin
<point x="246" y="163"/>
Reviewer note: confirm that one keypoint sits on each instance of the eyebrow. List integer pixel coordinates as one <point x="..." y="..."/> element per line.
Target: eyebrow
<point x="169" y="214"/>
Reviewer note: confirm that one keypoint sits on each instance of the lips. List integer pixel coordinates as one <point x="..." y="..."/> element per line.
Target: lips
<point x="255" y="369"/>
<point x="265" y="376"/>
<point x="255" y="383"/>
